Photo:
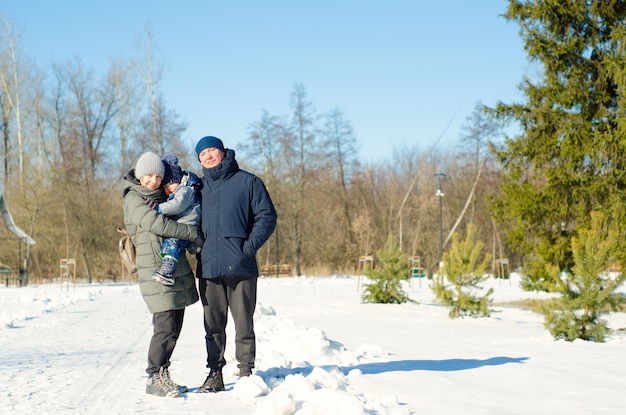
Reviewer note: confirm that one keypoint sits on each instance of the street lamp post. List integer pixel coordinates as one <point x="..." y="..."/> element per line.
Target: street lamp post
<point x="277" y="251"/>
<point x="441" y="177"/>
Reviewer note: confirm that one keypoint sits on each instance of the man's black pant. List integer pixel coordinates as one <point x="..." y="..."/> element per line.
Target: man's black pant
<point x="218" y="295"/>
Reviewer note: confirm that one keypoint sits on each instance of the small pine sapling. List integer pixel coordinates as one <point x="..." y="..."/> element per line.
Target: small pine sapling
<point x="386" y="280"/>
<point x="538" y="275"/>
<point x="457" y="285"/>
<point x="589" y="288"/>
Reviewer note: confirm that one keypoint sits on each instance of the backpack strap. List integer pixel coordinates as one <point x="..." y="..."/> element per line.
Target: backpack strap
<point x="123" y="231"/>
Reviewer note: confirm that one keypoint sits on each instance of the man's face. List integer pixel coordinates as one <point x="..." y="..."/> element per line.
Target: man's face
<point x="211" y="157"/>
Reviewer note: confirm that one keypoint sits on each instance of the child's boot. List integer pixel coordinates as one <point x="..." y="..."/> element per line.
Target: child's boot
<point x="166" y="274"/>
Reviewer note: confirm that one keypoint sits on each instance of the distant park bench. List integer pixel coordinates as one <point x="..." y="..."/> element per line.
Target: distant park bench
<point x="269" y="270"/>
<point x="11" y="278"/>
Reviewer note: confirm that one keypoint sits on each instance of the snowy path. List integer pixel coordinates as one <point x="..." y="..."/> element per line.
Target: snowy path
<point x="85" y="353"/>
<point x="320" y="352"/>
<point x="78" y="356"/>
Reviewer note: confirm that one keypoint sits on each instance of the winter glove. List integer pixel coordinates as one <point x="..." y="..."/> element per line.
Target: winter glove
<point x="194" y="249"/>
<point x="152" y="204"/>
<point x="248" y="249"/>
<point x="196" y="246"/>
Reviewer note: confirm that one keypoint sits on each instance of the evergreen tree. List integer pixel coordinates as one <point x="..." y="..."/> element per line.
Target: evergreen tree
<point x="386" y="279"/>
<point x="569" y="158"/>
<point x="589" y="289"/>
<point x="458" y="284"/>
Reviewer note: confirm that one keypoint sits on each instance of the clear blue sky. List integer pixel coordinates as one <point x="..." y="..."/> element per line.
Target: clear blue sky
<point x="401" y="71"/>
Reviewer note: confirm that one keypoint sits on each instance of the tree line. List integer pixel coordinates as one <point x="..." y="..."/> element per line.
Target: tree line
<point x="68" y="136"/>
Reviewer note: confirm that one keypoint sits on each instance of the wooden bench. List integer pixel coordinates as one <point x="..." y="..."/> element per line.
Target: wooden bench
<point x="270" y="270"/>
<point x="11" y="278"/>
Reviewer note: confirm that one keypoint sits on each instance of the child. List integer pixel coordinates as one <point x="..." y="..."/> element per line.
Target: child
<point x="183" y="204"/>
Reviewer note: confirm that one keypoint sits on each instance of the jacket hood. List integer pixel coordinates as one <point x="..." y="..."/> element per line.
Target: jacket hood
<point x="128" y="181"/>
<point x="225" y="169"/>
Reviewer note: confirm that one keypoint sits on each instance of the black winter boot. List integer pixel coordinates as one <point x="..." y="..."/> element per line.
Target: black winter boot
<point x="213" y="383"/>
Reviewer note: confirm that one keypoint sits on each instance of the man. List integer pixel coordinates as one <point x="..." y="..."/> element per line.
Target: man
<point x="238" y="216"/>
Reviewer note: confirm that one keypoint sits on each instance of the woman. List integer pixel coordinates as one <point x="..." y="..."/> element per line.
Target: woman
<point x="166" y="303"/>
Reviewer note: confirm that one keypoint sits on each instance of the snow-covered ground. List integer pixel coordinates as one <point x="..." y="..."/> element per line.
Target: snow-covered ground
<point x="82" y="350"/>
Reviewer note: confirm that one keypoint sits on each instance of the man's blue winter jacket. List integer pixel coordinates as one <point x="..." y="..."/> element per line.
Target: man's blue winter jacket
<point x="238" y="216"/>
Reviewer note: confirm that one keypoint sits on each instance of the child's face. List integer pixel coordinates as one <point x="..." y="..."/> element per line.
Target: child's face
<point x="151" y="181"/>
<point x="170" y="188"/>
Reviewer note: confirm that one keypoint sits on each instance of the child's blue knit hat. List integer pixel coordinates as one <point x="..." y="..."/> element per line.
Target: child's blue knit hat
<point x="173" y="172"/>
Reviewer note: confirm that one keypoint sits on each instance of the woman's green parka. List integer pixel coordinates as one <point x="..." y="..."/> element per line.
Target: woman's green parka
<point x="155" y="227"/>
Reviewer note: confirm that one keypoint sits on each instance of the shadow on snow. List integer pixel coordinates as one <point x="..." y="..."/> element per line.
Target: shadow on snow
<point x="446" y="365"/>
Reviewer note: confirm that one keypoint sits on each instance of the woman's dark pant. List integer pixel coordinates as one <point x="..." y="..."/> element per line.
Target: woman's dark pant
<point x="166" y="329"/>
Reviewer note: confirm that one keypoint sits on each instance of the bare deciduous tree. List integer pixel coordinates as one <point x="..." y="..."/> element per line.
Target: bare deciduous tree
<point x="12" y="76"/>
<point x="301" y="155"/>
<point x="342" y="156"/>
<point x="161" y="128"/>
<point x="263" y="154"/>
<point x="476" y="136"/>
<point x="124" y="79"/>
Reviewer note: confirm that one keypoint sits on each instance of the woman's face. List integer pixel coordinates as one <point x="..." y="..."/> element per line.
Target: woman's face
<point x="151" y="181"/>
